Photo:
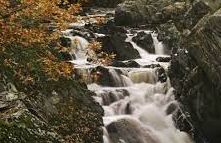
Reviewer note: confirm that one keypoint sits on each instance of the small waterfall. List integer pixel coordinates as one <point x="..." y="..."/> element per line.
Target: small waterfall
<point x="79" y="45"/>
<point x="119" y="79"/>
<point x="147" y="76"/>
<point x="159" y="47"/>
<point x="143" y="54"/>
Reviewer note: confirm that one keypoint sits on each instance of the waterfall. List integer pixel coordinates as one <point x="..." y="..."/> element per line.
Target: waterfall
<point x="143" y="54"/>
<point x="138" y="108"/>
<point x="147" y="76"/>
<point x="159" y="47"/>
<point x="78" y="47"/>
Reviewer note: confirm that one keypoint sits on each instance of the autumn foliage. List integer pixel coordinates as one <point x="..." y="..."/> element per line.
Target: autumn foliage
<point x="29" y="33"/>
<point x="98" y="56"/>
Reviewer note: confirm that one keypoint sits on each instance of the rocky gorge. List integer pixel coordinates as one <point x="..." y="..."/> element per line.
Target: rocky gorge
<point x="163" y="85"/>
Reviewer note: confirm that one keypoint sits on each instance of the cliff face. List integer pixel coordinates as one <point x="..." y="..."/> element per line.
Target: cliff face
<point x="195" y="74"/>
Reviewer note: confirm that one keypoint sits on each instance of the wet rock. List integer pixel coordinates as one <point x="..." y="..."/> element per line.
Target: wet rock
<point x="107" y="77"/>
<point x="103" y="76"/>
<point x="163" y="59"/>
<point x="109" y="97"/>
<point x="119" y="64"/>
<point x="152" y="66"/>
<point x="129" y="64"/>
<point x="128" y="109"/>
<point x="132" y="64"/>
<point x="144" y="41"/>
<point x="129" y="131"/>
<point x="171" y="108"/>
<point x="161" y="74"/>
<point x="65" y="41"/>
<point x="116" y="44"/>
<point x="82" y="32"/>
<point x="108" y="28"/>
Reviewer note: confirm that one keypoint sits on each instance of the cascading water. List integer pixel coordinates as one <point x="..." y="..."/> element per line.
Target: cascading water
<point x="78" y="47"/>
<point x="138" y="107"/>
<point x="159" y="48"/>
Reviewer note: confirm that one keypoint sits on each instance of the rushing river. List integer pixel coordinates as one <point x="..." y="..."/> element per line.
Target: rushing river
<point x="138" y="106"/>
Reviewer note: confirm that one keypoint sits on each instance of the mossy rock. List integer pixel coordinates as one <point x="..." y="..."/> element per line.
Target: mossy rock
<point x="67" y="114"/>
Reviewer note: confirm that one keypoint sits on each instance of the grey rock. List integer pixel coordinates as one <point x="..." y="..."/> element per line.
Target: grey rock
<point x="163" y="59"/>
<point x="129" y="131"/>
<point x="133" y="12"/>
<point x="116" y="44"/>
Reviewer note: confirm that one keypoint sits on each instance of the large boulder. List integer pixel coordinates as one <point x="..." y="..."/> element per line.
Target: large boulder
<point x="196" y="75"/>
<point x="107" y="77"/>
<point x="129" y="131"/>
<point x="102" y="76"/>
<point x="132" y="12"/>
<point x="115" y="43"/>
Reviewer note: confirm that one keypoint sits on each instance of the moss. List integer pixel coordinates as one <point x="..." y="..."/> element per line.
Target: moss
<point x="26" y="128"/>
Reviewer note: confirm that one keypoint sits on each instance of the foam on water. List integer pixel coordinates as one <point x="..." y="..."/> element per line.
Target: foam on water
<point x="137" y="97"/>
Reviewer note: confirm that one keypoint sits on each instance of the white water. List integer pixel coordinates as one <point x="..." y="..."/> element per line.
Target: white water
<point x="137" y="98"/>
<point x="159" y="47"/>
<point x="143" y="54"/>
